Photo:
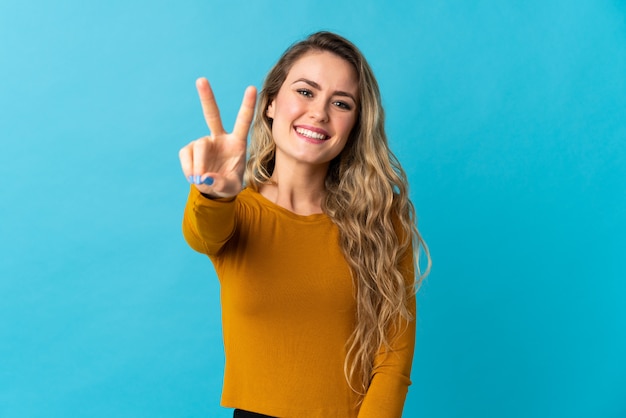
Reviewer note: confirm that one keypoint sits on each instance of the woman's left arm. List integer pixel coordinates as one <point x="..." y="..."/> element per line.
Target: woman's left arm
<point x="391" y="375"/>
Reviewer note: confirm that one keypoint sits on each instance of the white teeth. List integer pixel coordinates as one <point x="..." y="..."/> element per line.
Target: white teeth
<point x="310" y="134"/>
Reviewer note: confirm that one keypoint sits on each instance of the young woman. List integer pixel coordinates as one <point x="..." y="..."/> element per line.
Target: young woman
<point x="312" y="239"/>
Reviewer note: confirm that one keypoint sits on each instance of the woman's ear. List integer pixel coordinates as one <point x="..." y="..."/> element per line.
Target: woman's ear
<point x="270" y="110"/>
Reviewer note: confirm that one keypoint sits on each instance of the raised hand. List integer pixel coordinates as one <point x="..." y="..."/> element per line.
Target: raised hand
<point x="215" y="163"/>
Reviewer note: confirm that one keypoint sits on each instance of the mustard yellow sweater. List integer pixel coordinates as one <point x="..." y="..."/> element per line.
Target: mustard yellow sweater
<point x="288" y="309"/>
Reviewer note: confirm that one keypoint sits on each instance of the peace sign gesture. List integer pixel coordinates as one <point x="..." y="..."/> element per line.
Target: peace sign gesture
<point x="215" y="163"/>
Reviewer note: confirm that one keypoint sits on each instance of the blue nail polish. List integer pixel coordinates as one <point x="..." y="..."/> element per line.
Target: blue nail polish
<point x="208" y="181"/>
<point x="196" y="179"/>
<point x="190" y="179"/>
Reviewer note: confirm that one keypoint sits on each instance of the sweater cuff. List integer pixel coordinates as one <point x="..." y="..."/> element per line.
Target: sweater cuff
<point x="202" y="198"/>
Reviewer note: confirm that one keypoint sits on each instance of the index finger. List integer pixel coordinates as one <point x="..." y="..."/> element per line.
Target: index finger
<point x="246" y="113"/>
<point x="209" y="106"/>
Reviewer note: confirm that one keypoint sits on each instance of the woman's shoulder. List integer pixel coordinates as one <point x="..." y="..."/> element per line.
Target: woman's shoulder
<point x="250" y="197"/>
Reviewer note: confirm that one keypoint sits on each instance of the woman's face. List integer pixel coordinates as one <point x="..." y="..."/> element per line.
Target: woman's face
<point x="315" y="109"/>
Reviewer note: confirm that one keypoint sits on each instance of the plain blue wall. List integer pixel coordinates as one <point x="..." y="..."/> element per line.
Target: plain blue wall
<point x="510" y="118"/>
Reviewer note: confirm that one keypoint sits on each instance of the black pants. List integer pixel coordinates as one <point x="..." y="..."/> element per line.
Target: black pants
<point x="240" y="413"/>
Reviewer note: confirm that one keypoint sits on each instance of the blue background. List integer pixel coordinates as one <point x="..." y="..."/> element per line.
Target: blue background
<point x="510" y="118"/>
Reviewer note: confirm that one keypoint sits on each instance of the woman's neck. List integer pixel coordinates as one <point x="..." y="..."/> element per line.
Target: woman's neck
<point x="298" y="188"/>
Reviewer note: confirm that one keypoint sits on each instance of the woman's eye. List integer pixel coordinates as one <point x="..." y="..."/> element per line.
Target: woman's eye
<point x="305" y="92"/>
<point x="343" y="105"/>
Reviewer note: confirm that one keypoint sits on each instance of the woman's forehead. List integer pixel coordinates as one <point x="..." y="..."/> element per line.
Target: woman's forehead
<point x="326" y="69"/>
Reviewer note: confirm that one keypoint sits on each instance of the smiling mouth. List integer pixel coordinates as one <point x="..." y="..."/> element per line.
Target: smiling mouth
<point x="311" y="134"/>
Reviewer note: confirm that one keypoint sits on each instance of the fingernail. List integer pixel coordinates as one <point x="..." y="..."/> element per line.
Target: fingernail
<point x="190" y="179"/>
<point x="208" y="181"/>
<point x="196" y="179"/>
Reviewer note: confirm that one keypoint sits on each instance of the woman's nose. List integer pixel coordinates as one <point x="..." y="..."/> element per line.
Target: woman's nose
<point x="319" y="111"/>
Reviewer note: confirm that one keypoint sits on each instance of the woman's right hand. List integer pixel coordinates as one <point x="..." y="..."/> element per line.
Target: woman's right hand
<point x="215" y="163"/>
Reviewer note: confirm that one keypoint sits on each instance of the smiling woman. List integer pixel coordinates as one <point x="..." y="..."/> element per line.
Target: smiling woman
<point x="313" y="114"/>
<point x="316" y="253"/>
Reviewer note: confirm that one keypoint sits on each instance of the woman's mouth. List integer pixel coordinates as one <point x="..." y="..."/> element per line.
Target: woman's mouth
<point x="315" y="135"/>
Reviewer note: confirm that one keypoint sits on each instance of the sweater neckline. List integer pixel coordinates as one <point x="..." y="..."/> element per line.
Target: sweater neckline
<point x="271" y="205"/>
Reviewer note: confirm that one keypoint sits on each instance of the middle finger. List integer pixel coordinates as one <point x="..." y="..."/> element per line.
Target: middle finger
<point x="209" y="107"/>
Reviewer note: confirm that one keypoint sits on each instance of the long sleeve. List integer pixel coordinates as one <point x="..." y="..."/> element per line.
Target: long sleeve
<point x="208" y="224"/>
<point x="392" y="369"/>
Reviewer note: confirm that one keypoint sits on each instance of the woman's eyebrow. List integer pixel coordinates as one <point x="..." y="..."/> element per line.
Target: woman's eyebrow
<point x="318" y="87"/>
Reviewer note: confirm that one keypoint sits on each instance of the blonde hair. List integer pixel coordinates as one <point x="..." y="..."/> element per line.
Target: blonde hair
<point x="366" y="197"/>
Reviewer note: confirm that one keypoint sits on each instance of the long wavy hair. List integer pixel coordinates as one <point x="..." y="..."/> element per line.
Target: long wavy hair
<point x="366" y="197"/>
